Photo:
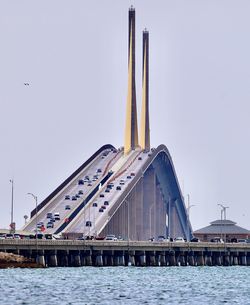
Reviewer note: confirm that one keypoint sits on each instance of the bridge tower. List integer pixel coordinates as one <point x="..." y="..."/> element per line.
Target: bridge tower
<point x="145" y="131"/>
<point x="131" y="129"/>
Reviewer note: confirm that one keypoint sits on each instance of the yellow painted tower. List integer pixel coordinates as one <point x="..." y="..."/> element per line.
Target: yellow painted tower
<point x="131" y="129"/>
<point x="145" y="130"/>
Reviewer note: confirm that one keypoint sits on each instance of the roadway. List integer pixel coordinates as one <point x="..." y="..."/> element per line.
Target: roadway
<point x="103" y="162"/>
<point x="127" y="165"/>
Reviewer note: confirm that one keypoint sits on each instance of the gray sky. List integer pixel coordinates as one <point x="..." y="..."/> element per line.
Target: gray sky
<point x="74" y="55"/>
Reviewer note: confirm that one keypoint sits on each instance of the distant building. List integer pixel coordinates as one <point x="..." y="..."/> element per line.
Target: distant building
<point x="226" y="229"/>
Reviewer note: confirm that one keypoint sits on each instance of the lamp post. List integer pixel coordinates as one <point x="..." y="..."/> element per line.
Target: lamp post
<point x="25" y="219"/>
<point x="35" y="197"/>
<point x="12" y="225"/>
<point x="188" y="214"/>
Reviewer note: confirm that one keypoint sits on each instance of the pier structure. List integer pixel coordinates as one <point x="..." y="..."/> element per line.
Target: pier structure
<point x="66" y="253"/>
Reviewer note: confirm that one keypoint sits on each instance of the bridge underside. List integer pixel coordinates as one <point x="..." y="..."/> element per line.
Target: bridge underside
<point x="153" y="206"/>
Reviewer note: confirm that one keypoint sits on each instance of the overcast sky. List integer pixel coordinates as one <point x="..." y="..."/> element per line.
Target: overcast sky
<point x="74" y="56"/>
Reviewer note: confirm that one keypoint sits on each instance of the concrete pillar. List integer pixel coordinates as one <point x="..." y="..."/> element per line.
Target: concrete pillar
<point x="110" y="260"/>
<point x="200" y="258"/>
<point x="143" y="260"/>
<point x="208" y="259"/>
<point x="64" y="260"/>
<point x="218" y="259"/>
<point x="105" y="260"/>
<point x="226" y="259"/>
<point x="182" y="259"/>
<point x="40" y="258"/>
<point x="248" y="258"/>
<point x="99" y="260"/>
<point x="190" y="258"/>
<point x="77" y="259"/>
<point x="167" y="258"/>
<point x="243" y="259"/>
<point x="116" y="259"/>
<point x="172" y="260"/>
<point x="121" y="260"/>
<point x="235" y="259"/>
<point x="131" y="258"/>
<point x="53" y="259"/>
<point x="231" y="259"/>
<point x="152" y="261"/>
<point x="162" y="259"/>
<point x="88" y="258"/>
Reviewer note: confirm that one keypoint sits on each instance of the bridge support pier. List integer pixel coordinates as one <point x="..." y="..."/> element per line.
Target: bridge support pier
<point x="218" y="259"/>
<point x="235" y="259"/>
<point x="162" y="259"/>
<point x="76" y="259"/>
<point x="208" y="259"/>
<point x="64" y="261"/>
<point x="226" y="259"/>
<point x="131" y="258"/>
<point x="52" y="259"/>
<point x="88" y="258"/>
<point x="182" y="259"/>
<point x="99" y="260"/>
<point x="248" y="258"/>
<point x="190" y="258"/>
<point x="200" y="258"/>
<point x="243" y="259"/>
<point x="172" y="260"/>
<point x="40" y="258"/>
<point x="143" y="259"/>
<point x="121" y="260"/>
<point x="152" y="258"/>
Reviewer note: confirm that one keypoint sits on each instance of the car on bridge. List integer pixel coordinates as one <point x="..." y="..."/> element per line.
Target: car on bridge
<point x="80" y="192"/>
<point x="49" y="215"/>
<point x="101" y="210"/>
<point x="101" y="195"/>
<point x="67" y="207"/>
<point x="111" y="237"/>
<point x="118" y="188"/>
<point x="57" y="216"/>
<point x="80" y="182"/>
<point x="50" y="224"/>
<point x="106" y="202"/>
<point x="88" y="223"/>
<point x="179" y="239"/>
<point x="95" y="204"/>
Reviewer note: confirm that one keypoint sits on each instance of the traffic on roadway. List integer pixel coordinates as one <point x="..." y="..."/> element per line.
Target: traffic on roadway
<point x="94" y="216"/>
<point x="57" y="212"/>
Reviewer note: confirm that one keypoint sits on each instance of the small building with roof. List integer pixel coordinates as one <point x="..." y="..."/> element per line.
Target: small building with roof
<point x="225" y="229"/>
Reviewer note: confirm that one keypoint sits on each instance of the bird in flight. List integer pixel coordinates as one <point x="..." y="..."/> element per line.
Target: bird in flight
<point x="26" y="84"/>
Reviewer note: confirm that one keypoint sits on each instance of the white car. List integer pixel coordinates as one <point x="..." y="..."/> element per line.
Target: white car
<point x="179" y="240"/>
<point x="111" y="237"/>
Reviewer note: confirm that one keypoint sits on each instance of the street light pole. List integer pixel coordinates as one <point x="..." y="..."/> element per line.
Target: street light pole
<point x="35" y="197"/>
<point x="12" y="229"/>
<point x="188" y="214"/>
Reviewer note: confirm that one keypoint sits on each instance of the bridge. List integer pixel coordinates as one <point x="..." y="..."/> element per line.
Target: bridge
<point x="63" y="253"/>
<point x="132" y="191"/>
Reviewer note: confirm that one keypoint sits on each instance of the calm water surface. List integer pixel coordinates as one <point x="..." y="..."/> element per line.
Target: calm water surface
<point x="126" y="285"/>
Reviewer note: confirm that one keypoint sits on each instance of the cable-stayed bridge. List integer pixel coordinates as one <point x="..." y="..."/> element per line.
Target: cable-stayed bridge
<point x="132" y="192"/>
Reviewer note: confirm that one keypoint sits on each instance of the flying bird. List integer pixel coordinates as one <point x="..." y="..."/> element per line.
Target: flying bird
<point x="26" y="84"/>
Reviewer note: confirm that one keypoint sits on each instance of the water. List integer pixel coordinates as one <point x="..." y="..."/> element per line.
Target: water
<point x="126" y="285"/>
